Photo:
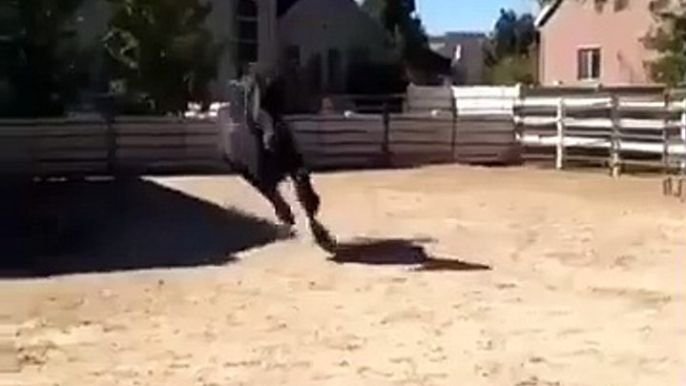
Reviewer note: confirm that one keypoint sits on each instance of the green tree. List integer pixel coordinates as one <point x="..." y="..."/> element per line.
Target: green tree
<point x="513" y="34"/>
<point x="38" y="40"/>
<point x="508" y="58"/>
<point x="400" y="19"/>
<point x="669" y="40"/>
<point x="512" y="70"/>
<point x="161" y="49"/>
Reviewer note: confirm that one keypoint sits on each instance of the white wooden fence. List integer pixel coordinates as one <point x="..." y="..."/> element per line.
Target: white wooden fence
<point x="619" y="126"/>
<point x="613" y="130"/>
<point x="483" y="120"/>
<point x="486" y="100"/>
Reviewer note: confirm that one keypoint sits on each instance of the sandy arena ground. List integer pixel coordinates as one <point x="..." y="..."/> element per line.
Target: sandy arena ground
<point x="586" y="287"/>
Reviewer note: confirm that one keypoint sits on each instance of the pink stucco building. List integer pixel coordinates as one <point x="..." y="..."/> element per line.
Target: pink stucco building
<point x="594" y="41"/>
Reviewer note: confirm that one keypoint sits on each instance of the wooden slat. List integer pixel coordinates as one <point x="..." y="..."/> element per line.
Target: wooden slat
<point x="69" y="154"/>
<point x="475" y="137"/>
<point x="493" y="126"/>
<point x="187" y="162"/>
<point x="338" y="137"/>
<point x="164" y="127"/>
<point x="344" y="162"/>
<point x="444" y="138"/>
<point x="421" y="159"/>
<point x="89" y="142"/>
<point x="69" y="167"/>
<point x="351" y="149"/>
<point x="482" y="149"/>
<point x="405" y="148"/>
<point x="50" y="131"/>
<point x="175" y="140"/>
<point x="166" y="152"/>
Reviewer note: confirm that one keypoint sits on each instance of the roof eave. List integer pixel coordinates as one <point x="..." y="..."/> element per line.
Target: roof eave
<point x="546" y="13"/>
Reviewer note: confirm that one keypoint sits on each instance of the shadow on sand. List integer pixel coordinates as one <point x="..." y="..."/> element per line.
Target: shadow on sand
<point x="79" y="227"/>
<point x="398" y="252"/>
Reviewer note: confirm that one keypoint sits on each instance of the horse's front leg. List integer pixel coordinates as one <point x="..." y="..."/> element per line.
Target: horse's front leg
<point x="310" y="201"/>
<point x="281" y="207"/>
<point x="270" y="191"/>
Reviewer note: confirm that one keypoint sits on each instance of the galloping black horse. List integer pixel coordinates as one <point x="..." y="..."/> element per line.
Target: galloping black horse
<point x="263" y="150"/>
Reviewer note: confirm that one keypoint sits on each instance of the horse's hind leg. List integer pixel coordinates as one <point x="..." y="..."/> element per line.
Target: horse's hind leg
<point x="271" y="193"/>
<point x="306" y="194"/>
<point x="281" y="207"/>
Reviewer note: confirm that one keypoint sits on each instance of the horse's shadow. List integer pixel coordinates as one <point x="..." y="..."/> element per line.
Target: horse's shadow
<point x="405" y="252"/>
<point x="76" y="227"/>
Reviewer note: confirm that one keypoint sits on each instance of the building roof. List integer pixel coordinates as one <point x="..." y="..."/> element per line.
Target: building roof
<point x="283" y="6"/>
<point x="547" y="12"/>
<point x="428" y="62"/>
<point x="445" y="45"/>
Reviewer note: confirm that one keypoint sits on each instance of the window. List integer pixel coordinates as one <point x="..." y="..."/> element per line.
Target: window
<point x="247" y="28"/>
<point x="621" y="5"/>
<point x="588" y="60"/>
<point x="247" y="35"/>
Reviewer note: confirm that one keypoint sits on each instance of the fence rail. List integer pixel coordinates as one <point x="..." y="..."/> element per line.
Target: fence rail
<point x="362" y="140"/>
<point x="378" y="131"/>
<point x="613" y="130"/>
<point x="87" y="147"/>
<point x="616" y="128"/>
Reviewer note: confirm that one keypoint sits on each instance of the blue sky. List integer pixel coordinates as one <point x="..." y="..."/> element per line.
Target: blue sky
<point x="440" y="16"/>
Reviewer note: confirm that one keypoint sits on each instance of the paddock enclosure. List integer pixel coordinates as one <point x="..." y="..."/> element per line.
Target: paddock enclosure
<point x="493" y="268"/>
<point x="621" y="128"/>
<point x="534" y="277"/>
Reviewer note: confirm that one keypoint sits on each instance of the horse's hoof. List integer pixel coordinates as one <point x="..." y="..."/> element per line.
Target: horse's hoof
<point x="285" y="215"/>
<point x="287" y="221"/>
<point x="323" y="237"/>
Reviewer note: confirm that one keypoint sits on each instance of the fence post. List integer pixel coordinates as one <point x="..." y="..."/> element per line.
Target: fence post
<point x="385" y="144"/>
<point x="665" y="136"/>
<point x="682" y="135"/>
<point x="666" y="139"/>
<point x="615" y="161"/>
<point x="560" y="150"/>
<point x="108" y="114"/>
<point x="518" y="122"/>
<point x="453" y="138"/>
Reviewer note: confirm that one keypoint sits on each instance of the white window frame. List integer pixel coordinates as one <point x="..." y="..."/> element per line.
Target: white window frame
<point x="239" y="40"/>
<point x="589" y="49"/>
